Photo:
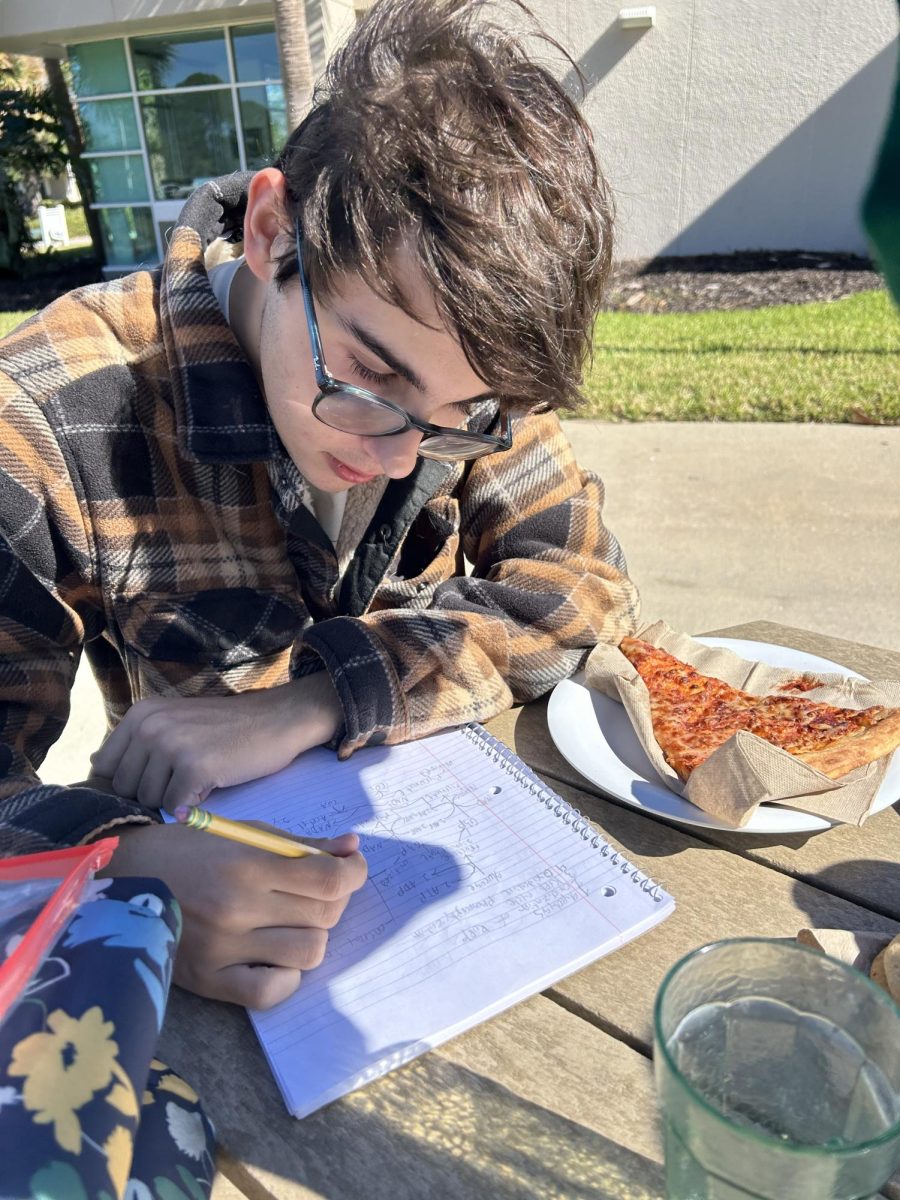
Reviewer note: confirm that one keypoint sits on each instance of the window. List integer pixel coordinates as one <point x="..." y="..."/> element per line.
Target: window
<point x="177" y="60"/>
<point x="99" y="68"/>
<point x="162" y="113"/>
<point x="109" y="125"/>
<point x="119" y="178"/>
<point x="190" y="138"/>
<point x="255" y="52"/>
<point x="128" y="236"/>
<point x="263" y="122"/>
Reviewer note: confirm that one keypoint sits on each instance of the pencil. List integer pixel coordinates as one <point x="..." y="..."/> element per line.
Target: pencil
<point x="248" y="835"/>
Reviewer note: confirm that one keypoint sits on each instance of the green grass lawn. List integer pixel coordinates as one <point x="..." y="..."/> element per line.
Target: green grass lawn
<point x="810" y="362"/>
<point x="9" y="320"/>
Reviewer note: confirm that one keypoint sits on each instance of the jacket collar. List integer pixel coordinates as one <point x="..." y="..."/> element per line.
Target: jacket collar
<point x="219" y="408"/>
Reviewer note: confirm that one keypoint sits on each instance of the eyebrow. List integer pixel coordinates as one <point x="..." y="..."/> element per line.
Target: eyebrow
<point x="399" y="368"/>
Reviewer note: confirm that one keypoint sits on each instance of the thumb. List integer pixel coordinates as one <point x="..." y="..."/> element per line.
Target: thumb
<point x="341" y="847"/>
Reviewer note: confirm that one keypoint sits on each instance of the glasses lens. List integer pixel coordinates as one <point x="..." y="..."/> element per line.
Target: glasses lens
<point x="446" y="446"/>
<point x="351" y="412"/>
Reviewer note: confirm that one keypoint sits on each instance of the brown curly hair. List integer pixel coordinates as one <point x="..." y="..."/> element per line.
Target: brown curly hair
<point x="433" y="124"/>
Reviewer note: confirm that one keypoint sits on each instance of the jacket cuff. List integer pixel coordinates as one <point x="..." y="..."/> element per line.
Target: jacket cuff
<point x="52" y="815"/>
<point x="365" y="680"/>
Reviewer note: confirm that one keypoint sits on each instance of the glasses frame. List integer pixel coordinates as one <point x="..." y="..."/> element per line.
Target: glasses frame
<point x="328" y="384"/>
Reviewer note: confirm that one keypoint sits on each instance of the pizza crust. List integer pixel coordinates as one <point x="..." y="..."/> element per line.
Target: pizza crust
<point x="857" y="748"/>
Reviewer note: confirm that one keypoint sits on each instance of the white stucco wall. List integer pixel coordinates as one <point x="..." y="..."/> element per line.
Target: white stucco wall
<point x="735" y="124"/>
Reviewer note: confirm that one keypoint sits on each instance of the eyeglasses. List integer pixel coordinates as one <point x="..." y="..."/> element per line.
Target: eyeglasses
<point x="351" y="409"/>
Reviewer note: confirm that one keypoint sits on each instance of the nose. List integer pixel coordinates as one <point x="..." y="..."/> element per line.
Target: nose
<point x="397" y="453"/>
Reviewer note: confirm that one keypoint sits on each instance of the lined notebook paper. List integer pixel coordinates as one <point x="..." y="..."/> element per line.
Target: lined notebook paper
<point x="484" y="887"/>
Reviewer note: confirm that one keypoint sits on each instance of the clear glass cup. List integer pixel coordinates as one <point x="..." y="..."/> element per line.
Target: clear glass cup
<point x="778" y="1075"/>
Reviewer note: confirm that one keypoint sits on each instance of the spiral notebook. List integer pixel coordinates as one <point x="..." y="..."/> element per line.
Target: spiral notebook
<point x="484" y="888"/>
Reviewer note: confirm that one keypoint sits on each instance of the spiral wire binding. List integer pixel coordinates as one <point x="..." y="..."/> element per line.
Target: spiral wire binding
<point x="572" y="816"/>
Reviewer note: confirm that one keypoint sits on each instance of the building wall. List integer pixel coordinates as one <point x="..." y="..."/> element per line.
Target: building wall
<point x="45" y="27"/>
<point x="734" y="124"/>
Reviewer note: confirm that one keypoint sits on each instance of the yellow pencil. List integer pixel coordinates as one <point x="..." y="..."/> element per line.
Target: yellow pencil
<point x="249" y="835"/>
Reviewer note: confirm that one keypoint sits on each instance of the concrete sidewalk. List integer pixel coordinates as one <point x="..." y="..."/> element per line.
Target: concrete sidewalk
<point x="724" y="523"/>
<point x="720" y="523"/>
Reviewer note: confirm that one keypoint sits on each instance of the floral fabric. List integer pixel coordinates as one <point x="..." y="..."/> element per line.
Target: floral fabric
<point x="86" y="1111"/>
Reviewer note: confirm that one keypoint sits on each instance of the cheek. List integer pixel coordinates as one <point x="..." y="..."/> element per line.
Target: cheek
<point x="305" y="438"/>
<point x="288" y="380"/>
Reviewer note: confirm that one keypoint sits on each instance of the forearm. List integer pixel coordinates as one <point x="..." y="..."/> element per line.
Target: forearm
<point x="402" y="675"/>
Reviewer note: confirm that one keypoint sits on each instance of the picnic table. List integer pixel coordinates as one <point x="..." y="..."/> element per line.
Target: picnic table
<point x="555" y="1097"/>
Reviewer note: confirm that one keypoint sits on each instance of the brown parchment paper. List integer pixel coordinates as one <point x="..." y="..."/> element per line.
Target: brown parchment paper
<point x="746" y="771"/>
<point x="875" y="954"/>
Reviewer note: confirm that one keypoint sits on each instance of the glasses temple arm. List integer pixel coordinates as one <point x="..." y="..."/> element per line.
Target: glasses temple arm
<point x="322" y="376"/>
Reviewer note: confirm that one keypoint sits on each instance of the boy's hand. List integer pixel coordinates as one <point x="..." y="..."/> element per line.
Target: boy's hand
<point x="253" y="921"/>
<point x="169" y="752"/>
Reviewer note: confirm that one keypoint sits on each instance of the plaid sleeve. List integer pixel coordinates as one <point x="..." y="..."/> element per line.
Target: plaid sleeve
<point x="549" y="582"/>
<point x="46" y="598"/>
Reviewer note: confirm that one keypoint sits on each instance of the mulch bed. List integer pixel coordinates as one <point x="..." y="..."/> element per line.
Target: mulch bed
<point x="730" y="281"/>
<point x="696" y="284"/>
<point x="39" y="288"/>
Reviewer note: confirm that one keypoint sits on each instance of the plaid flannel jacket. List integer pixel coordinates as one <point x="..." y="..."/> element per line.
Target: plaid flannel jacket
<point x="139" y="523"/>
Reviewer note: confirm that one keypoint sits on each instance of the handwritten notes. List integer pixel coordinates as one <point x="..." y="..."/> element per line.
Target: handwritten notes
<point x="483" y="888"/>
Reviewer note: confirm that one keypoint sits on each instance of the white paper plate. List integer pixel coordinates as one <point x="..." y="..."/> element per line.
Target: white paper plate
<point x="595" y="734"/>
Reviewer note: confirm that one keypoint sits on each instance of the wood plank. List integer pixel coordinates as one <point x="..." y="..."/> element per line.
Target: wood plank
<point x="535" y="1103"/>
<point x="223" y="1188"/>
<point x="717" y="896"/>
<point x="859" y="863"/>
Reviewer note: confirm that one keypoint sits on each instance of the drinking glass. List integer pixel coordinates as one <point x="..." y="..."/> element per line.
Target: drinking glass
<point x="778" y="1074"/>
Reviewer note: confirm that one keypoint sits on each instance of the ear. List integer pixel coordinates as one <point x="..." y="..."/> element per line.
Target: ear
<point x="263" y="222"/>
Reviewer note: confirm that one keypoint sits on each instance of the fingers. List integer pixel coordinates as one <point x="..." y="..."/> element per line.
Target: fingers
<point x="260" y="970"/>
<point x="188" y="783"/>
<point x="318" y="878"/>
<point x="273" y="909"/>
<point x="105" y="760"/>
<point x="135" y="765"/>
<point x="171" y="751"/>
<point x="346" y="844"/>
<point x="242" y="906"/>
<point x="257" y="986"/>
<point x="298" y="949"/>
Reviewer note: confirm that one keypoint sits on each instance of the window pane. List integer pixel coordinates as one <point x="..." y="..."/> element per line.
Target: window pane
<point x="99" y="68"/>
<point x="255" y="52"/>
<point x="190" y="138"/>
<point x="127" y="236"/>
<point x="109" y="125"/>
<point x="264" y="122"/>
<point x="180" y="59"/>
<point x="118" y="179"/>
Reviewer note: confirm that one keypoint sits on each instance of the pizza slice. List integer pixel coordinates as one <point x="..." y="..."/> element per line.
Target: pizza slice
<point x="693" y="714"/>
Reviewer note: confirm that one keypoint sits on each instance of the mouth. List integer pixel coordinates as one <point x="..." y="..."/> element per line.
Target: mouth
<point x="347" y="473"/>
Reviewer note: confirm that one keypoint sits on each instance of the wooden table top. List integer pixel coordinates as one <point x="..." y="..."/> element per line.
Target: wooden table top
<point x="553" y="1098"/>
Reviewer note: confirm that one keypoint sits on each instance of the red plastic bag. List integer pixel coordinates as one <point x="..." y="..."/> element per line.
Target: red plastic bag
<point x="38" y="894"/>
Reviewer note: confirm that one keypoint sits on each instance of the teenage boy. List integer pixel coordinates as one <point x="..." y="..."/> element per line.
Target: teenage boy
<point x="246" y="490"/>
